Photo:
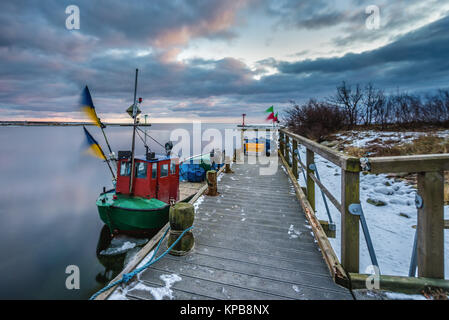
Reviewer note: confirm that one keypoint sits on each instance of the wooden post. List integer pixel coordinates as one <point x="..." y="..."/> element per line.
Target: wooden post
<point x="211" y="183"/>
<point x="350" y="193"/>
<point x="310" y="183"/>
<point x="241" y="154"/>
<point x="281" y="143"/>
<point x="431" y="225"/>
<point x="287" y="150"/>
<point x="295" y="161"/>
<point x="268" y="137"/>
<point x="228" y="165"/>
<point x="256" y="131"/>
<point x="181" y="217"/>
<point x="234" y="159"/>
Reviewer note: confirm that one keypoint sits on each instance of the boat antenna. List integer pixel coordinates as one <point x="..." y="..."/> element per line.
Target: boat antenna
<point x="134" y="135"/>
<point x="111" y="154"/>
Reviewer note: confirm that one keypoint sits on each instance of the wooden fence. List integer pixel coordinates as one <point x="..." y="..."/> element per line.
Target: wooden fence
<point x="430" y="197"/>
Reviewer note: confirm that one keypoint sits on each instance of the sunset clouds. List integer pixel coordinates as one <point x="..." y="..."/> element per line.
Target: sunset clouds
<point x="211" y="59"/>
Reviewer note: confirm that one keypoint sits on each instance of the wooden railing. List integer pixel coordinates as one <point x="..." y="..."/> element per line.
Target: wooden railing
<point x="430" y="170"/>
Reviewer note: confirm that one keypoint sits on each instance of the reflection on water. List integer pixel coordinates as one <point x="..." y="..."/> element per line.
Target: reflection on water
<point x="48" y="216"/>
<point x="115" y="253"/>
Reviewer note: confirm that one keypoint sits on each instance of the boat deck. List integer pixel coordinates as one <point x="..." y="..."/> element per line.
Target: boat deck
<point x="252" y="241"/>
<point x="188" y="189"/>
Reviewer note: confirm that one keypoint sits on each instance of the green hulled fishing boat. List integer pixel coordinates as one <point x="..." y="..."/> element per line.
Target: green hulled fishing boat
<point x="131" y="213"/>
<point x="145" y="186"/>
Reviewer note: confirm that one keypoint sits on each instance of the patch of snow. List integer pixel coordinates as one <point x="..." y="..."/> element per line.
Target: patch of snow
<point x="403" y="296"/>
<point x="160" y="293"/>
<point x="118" y="294"/>
<point x="225" y="293"/>
<point x="146" y="259"/>
<point x="293" y="233"/>
<point x="297" y="290"/>
<point x="198" y="202"/>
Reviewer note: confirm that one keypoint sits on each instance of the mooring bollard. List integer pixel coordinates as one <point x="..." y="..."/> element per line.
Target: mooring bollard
<point x="212" y="183"/>
<point x="228" y="165"/>
<point x="181" y="217"/>
<point x="234" y="159"/>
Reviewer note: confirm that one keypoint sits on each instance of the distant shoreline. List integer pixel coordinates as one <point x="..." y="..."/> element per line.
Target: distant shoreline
<point x="62" y="124"/>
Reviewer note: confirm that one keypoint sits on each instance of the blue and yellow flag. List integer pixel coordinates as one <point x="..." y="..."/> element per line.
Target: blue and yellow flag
<point x="88" y="108"/>
<point x="93" y="147"/>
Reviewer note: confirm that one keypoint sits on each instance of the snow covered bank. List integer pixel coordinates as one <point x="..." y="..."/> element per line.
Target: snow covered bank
<point x="363" y="139"/>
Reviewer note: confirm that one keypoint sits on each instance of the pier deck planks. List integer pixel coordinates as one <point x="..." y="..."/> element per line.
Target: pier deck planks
<point x="243" y="248"/>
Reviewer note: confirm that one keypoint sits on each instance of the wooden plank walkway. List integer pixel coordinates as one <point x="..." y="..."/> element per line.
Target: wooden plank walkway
<point x="251" y="242"/>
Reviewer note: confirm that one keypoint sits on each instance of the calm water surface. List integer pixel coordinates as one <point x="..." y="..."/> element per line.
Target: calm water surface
<point x="48" y="216"/>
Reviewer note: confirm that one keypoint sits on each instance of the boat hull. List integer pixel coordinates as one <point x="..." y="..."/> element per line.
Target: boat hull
<point x="132" y="215"/>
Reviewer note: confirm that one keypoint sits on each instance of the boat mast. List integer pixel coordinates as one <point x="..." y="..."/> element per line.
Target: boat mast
<point x="134" y="135"/>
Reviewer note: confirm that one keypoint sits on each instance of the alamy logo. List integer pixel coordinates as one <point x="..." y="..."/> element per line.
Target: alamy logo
<point x="73" y="20"/>
<point x="72" y="282"/>
<point x="373" y="20"/>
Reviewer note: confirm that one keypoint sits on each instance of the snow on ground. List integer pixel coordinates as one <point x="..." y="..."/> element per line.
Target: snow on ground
<point x="158" y="293"/>
<point x="146" y="259"/>
<point x="403" y="296"/>
<point x="198" y="202"/>
<point x="293" y="233"/>
<point x="390" y="226"/>
<point x="361" y="139"/>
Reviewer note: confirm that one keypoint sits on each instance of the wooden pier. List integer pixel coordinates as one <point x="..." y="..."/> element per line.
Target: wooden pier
<point x="260" y="237"/>
<point x="252" y="241"/>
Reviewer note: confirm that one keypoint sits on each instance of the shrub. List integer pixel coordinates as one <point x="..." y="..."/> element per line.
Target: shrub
<point x="315" y="120"/>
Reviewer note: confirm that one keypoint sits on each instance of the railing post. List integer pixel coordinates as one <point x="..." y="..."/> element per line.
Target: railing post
<point x="295" y="159"/>
<point x="350" y="193"/>
<point x="281" y="142"/>
<point x="268" y="137"/>
<point x="241" y="154"/>
<point x="287" y="149"/>
<point x="310" y="159"/>
<point x="431" y="225"/>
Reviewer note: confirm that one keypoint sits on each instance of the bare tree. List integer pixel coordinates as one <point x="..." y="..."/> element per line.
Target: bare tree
<point x="370" y="97"/>
<point x="349" y="100"/>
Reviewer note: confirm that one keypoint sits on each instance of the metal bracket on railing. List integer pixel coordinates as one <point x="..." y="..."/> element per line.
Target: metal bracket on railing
<point x="364" y="164"/>
<point x="418" y="201"/>
<point x="414" y="258"/>
<point x="332" y="226"/>
<point x="356" y="209"/>
<point x="300" y="166"/>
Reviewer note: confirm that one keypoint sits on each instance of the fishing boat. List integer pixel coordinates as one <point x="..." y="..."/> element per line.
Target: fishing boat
<point x="146" y="204"/>
<point x="145" y="185"/>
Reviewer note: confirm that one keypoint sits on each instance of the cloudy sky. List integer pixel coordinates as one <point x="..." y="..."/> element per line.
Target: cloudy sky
<point x="212" y="59"/>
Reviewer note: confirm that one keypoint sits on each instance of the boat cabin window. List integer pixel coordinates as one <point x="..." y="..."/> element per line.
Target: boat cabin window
<point x="172" y="167"/>
<point x="154" y="171"/>
<point x="164" y="170"/>
<point x="125" y="169"/>
<point x="141" y="170"/>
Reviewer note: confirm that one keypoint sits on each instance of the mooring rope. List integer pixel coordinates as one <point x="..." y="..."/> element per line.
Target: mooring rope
<point x="128" y="276"/>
